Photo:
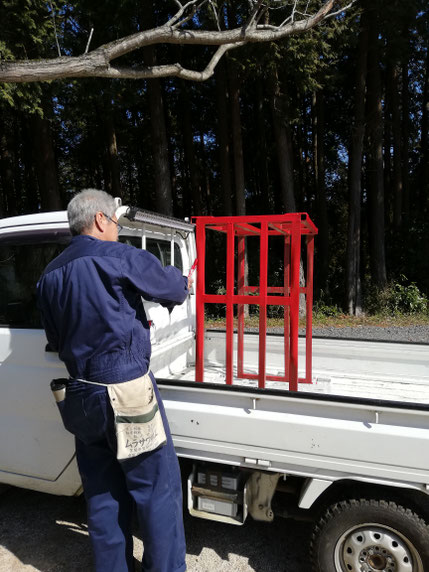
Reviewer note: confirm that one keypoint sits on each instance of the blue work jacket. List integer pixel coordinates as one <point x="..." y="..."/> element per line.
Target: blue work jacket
<point x="92" y="312"/>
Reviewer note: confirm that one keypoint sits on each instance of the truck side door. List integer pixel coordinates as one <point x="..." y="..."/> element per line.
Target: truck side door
<point x="33" y="442"/>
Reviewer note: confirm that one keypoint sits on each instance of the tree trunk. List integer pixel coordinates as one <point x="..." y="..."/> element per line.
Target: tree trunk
<point x="353" y="283"/>
<point x="20" y="190"/>
<point x="130" y="182"/>
<point x="222" y="99"/>
<point x="424" y="165"/>
<point x="204" y="174"/>
<point x="188" y="145"/>
<point x="45" y="164"/>
<point x="32" y="200"/>
<point x="113" y="170"/>
<point x="396" y="179"/>
<point x="262" y="163"/>
<point x="237" y="141"/>
<point x="237" y="145"/>
<point x="163" y="191"/>
<point x="319" y="175"/>
<point x="375" y="157"/>
<point x="388" y="158"/>
<point x="7" y="195"/>
<point x="303" y="158"/>
<point x="283" y="140"/>
<point x="405" y="134"/>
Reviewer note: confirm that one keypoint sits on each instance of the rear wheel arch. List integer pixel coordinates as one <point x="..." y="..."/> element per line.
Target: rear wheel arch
<point x="416" y="500"/>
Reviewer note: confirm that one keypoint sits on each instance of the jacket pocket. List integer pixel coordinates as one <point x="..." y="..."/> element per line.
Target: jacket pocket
<point x="84" y="416"/>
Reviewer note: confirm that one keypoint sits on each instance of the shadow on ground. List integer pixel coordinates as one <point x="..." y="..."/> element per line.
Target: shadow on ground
<point x="44" y="533"/>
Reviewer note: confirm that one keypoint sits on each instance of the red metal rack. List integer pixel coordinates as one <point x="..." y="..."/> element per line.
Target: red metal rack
<point x="295" y="228"/>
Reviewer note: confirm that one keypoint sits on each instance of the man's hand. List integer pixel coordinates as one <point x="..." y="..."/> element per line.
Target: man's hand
<point x="191" y="271"/>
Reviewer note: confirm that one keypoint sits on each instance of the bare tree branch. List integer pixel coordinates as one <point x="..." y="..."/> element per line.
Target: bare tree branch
<point x="171" y="70"/>
<point x="89" y="40"/>
<point x="216" y="15"/>
<point x="252" y="19"/>
<point x="55" y="28"/>
<point x="97" y="62"/>
<point x="192" y="13"/>
<point x="294" y="10"/>
<point x="341" y="10"/>
<point x="175" y="20"/>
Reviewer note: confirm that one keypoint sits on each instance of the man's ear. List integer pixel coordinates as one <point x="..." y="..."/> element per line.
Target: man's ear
<point x="99" y="222"/>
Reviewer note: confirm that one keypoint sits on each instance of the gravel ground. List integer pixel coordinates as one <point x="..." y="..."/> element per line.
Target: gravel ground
<point x="416" y="334"/>
<point x="43" y="533"/>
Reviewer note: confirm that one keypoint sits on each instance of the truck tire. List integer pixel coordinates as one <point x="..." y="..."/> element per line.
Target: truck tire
<point x="370" y="535"/>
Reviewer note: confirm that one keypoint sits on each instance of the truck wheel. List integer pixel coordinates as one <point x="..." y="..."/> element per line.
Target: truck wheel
<point x="370" y="535"/>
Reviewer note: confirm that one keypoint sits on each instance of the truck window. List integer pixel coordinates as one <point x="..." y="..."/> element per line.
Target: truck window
<point x="22" y="261"/>
<point x="159" y="248"/>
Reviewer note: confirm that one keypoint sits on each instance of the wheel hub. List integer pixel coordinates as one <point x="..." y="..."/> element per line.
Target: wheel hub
<point x="371" y="548"/>
<point x="374" y="558"/>
<point x="377" y="561"/>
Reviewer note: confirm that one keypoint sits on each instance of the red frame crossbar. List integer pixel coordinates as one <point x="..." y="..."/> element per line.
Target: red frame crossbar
<point x="295" y="228"/>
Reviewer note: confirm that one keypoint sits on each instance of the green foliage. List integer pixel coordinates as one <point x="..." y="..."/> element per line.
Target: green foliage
<point x="324" y="310"/>
<point x="398" y="297"/>
<point x="6" y="89"/>
<point x="27" y="32"/>
<point x="25" y="97"/>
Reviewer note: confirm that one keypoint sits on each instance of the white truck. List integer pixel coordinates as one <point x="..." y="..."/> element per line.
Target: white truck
<point x="349" y="450"/>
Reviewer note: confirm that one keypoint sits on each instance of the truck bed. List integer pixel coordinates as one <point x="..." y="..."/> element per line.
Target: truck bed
<point x="368" y="401"/>
<point x="388" y="371"/>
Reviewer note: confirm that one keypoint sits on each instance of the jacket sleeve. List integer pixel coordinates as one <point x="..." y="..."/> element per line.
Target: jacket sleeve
<point x="156" y="283"/>
<point x="47" y="322"/>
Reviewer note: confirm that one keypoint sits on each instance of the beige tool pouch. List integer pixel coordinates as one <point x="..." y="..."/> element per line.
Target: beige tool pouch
<point x="138" y="421"/>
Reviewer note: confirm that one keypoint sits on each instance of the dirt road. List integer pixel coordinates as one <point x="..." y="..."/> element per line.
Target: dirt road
<point x="43" y="533"/>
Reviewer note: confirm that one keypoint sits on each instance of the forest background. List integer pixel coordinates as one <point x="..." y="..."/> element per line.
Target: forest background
<point x="333" y="122"/>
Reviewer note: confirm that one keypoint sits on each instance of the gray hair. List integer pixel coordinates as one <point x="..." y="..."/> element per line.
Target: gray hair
<point x="85" y="205"/>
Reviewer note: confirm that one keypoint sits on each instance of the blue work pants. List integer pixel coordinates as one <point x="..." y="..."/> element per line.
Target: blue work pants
<point x="151" y="482"/>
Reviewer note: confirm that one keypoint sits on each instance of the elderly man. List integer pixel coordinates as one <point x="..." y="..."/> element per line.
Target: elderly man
<point x="90" y="300"/>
